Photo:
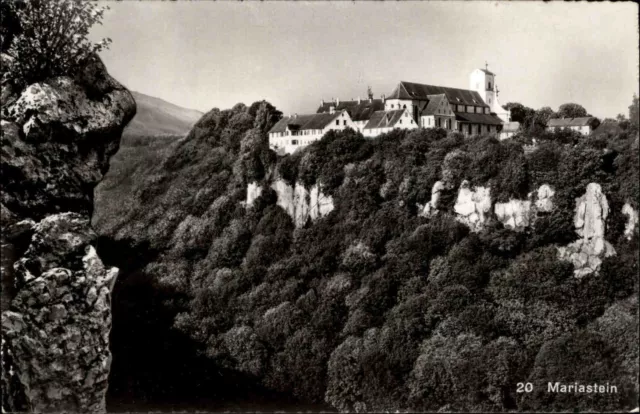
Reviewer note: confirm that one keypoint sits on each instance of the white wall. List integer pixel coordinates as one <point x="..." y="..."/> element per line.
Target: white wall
<point x="285" y="144"/>
<point x="407" y="123"/>
<point x="584" y="130"/>
<point x="391" y="104"/>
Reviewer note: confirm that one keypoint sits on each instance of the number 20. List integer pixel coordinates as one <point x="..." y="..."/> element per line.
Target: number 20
<point x="522" y="387"/>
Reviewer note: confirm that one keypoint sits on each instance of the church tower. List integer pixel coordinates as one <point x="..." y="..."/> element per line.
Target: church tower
<point x="483" y="81"/>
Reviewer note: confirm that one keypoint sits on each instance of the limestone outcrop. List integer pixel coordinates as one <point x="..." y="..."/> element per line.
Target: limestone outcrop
<point x="544" y="198"/>
<point x="56" y="140"/>
<point x="518" y="214"/>
<point x="56" y="333"/>
<point x="299" y="202"/>
<point x="590" y="217"/>
<point x="632" y="221"/>
<point x="473" y="205"/>
<point x="431" y="208"/>
<point x="514" y="214"/>
<point x="253" y="191"/>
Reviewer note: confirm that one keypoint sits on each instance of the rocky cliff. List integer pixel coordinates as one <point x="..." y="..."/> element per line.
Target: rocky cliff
<point x="300" y="203"/>
<point x="57" y="137"/>
<point x="590" y="218"/>
<point x="473" y="207"/>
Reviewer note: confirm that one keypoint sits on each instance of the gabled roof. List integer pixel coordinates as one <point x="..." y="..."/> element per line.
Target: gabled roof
<point x="567" y="122"/>
<point x="419" y="91"/>
<point x="487" y="72"/>
<point x="358" y="111"/>
<point x="384" y="119"/>
<point x="434" y="104"/>
<point x="608" y="127"/>
<point x="478" y="118"/>
<point x="303" y="122"/>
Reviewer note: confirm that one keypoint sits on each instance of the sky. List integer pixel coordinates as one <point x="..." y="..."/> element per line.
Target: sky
<point x="204" y="54"/>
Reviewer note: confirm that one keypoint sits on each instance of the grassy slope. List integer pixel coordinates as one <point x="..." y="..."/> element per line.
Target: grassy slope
<point x="158" y="117"/>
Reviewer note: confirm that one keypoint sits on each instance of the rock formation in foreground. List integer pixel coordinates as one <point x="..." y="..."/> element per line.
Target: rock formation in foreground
<point x="57" y="137"/>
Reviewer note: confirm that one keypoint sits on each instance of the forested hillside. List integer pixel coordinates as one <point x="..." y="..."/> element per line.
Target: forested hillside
<point x="375" y="306"/>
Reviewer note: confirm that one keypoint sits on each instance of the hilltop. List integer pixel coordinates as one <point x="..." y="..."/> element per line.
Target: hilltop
<point x="416" y="270"/>
<point x="156" y="116"/>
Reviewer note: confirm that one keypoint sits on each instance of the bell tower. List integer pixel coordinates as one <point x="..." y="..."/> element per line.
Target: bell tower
<point x="483" y="81"/>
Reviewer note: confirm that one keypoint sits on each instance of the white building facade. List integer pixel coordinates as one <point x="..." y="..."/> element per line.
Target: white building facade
<point x="298" y="131"/>
<point x="382" y="122"/>
<point x="460" y="110"/>
<point x="360" y="110"/>
<point x="584" y="125"/>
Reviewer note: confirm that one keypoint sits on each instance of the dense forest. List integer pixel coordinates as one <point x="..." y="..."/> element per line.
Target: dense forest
<point x="373" y="306"/>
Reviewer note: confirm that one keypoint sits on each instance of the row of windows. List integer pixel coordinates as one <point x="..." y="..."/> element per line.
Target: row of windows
<point x="344" y="122"/>
<point x="461" y="108"/>
<point x="297" y="133"/>
<point x="473" y="128"/>
<point x="302" y="141"/>
<point x="436" y="123"/>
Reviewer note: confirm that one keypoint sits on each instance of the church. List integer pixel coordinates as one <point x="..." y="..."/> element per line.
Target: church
<point x="411" y="105"/>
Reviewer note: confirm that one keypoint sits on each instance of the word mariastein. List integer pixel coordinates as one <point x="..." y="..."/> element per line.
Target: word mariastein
<point x="577" y="388"/>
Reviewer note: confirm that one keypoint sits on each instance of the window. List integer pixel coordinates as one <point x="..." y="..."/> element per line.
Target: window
<point x="489" y="87"/>
<point x="401" y="121"/>
<point x="344" y="122"/>
<point x="391" y="106"/>
<point x="488" y="128"/>
<point x="338" y="122"/>
<point x="294" y="142"/>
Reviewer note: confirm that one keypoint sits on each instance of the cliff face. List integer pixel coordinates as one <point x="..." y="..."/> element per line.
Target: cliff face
<point x="587" y="252"/>
<point x="473" y="205"/>
<point x="300" y="203"/>
<point x="57" y="137"/>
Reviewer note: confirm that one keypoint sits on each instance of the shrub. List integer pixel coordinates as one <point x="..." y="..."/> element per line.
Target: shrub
<point x="52" y="40"/>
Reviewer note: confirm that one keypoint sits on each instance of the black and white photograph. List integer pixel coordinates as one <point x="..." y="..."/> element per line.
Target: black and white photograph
<point x="319" y="206"/>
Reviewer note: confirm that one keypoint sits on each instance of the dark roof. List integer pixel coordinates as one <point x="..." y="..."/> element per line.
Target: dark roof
<point x="384" y="119"/>
<point x="418" y="91"/>
<point x="433" y="105"/>
<point x="357" y="111"/>
<point x="567" y="122"/>
<point x="303" y="122"/>
<point x="478" y="118"/>
<point x="488" y="72"/>
<point x="608" y="127"/>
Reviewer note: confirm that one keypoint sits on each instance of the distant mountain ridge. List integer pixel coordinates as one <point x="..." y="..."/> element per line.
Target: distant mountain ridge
<point x="156" y="117"/>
